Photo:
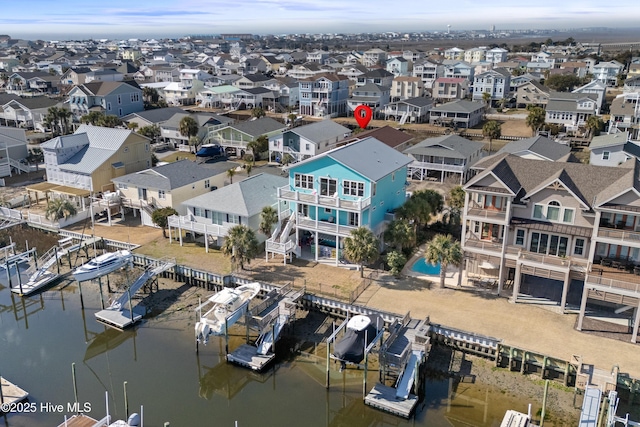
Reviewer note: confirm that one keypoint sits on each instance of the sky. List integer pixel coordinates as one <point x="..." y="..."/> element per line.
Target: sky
<point x="68" y="19"/>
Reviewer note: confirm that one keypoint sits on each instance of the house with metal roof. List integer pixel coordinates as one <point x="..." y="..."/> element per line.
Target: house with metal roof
<point x="563" y="234"/>
<point x="92" y="156"/>
<point x="306" y="141"/>
<point x="443" y="158"/>
<point x="211" y="215"/>
<point x="330" y="195"/>
<point x="168" y="185"/>
<point x="412" y="110"/>
<point x="235" y="137"/>
<point x="458" y="113"/>
<point x="539" y="148"/>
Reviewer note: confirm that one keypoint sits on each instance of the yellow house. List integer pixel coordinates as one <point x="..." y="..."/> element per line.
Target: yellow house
<point x="168" y="185"/>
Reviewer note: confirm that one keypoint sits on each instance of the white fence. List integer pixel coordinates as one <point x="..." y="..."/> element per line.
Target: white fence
<point x="42" y="221"/>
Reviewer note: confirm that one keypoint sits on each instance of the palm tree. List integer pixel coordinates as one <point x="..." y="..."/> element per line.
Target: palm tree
<point x="594" y="124"/>
<point x="456" y="203"/>
<point x="160" y="217"/>
<point x="444" y="250"/>
<point x="257" y="146"/>
<point x="268" y="217"/>
<point x="258" y="112"/>
<point x="230" y="173"/>
<point x="486" y="98"/>
<point x="59" y="208"/>
<point x="94" y="118"/>
<point x="491" y="129"/>
<point x="110" y="121"/>
<point x="188" y="127"/>
<point x="241" y="244"/>
<point x="152" y="132"/>
<point x="420" y="207"/>
<point x="361" y="247"/>
<point x="64" y="116"/>
<point x="535" y="118"/>
<point x="400" y="234"/>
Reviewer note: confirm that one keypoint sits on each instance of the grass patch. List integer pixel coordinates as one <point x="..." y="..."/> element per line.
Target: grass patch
<point x="178" y="155"/>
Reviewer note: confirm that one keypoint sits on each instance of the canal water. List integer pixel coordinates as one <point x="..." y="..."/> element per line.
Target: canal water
<point x="41" y="336"/>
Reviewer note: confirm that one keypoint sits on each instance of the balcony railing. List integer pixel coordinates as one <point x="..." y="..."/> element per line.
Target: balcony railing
<point x="286" y="193"/>
<point x="484" y="245"/>
<point x="612" y="283"/>
<point x="546" y="259"/>
<point x="487" y="214"/>
<point x="438" y="166"/>
<point x="626" y="235"/>
<point x="280" y="248"/>
<point x="324" y="226"/>
<point x="186" y="223"/>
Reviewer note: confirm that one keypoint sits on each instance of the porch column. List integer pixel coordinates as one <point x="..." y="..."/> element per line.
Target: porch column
<point x="583" y="306"/>
<point x="337" y="249"/>
<point x="170" y="235"/>
<point x="565" y="288"/>
<point x="464" y="217"/>
<point x="592" y="242"/>
<point x="316" y="244"/>
<point x="206" y="240"/>
<point x="636" y="323"/>
<point x="180" y="231"/>
<point x="516" y="282"/>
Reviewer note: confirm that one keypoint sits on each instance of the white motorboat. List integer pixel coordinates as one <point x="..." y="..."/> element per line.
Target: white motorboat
<point x="102" y="264"/>
<point x="223" y="310"/>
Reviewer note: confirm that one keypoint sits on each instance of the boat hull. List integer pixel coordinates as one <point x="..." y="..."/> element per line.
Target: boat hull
<point x="84" y="272"/>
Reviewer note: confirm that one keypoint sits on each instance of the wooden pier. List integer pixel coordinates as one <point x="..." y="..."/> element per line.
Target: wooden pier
<point x="11" y="393"/>
<point x="84" y="421"/>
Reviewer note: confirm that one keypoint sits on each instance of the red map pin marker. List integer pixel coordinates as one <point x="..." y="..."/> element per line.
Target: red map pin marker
<point x="363" y="115"/>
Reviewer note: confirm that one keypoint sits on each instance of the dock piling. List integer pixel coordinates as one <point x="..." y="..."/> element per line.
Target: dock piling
<point x="75" y="385"/>
<point x="126" y="400"/>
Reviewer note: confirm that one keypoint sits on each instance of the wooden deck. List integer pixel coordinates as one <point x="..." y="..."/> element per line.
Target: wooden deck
<point x="247" y="355"/>
<point x="83" y="421"/>
<point x="384" y="398"/>
<point x="11" y="393"/>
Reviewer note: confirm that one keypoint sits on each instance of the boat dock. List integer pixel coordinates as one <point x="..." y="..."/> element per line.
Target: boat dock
<point x="402" y="355"/>
<point x="117" y="315"/>
<point x="11" y="393"/>
<point x="269" y="318"/>
<point x="83" y="420"/>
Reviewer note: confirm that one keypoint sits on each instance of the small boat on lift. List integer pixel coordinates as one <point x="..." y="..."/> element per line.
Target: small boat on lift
<point x="360" y="332"/>
<point x="102" y="264"/>
<point x="223" y="310"/>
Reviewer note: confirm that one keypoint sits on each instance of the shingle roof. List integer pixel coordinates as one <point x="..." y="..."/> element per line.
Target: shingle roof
<point x="452" y="146"/>
<point x="259" y="127"/>
<point x="540" y="145"/>
<point x="609" y="140"/>
<point x="156" y="115"/>
<point x="245" y="198"/>
<point x="578" y="177"/>
<point x="170" y="176"/>
<point x="105" y="88"/>
<point x="460" y="106"/>
<point x="369" y="157"/>
<point x="321" y="131"/>
<point x="390" y="136"/>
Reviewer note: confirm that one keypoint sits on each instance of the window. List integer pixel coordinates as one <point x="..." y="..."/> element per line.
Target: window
<point x="303" y="181"/>
<point x="476" y="227"/>
<point x="328" y="186"/>
<point x="568" y="215"/>
<point x="123" y="186"/>
<point x="578" y="248"/>
<point x="353" y="219"/>
<point x="207" y="183"/>
<point x="393" y="176"/>
<point x="553" y="211"/>
<point x="233" y="219"/>
<point x="353" y="188"/>
<point x="520" y="237"/>
<point x="605" y="155"/>
<point x="328" y="210"/>
<point x="119" y="100"/>
<point x="307" y="147"/>
<point x="303" y="209"/>
<point x="161" y="195"/>
<point x="537" y="211"/>
<point x="198" y="212"/>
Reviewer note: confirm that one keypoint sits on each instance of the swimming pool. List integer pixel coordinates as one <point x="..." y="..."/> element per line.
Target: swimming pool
<point x="422" y="266"/>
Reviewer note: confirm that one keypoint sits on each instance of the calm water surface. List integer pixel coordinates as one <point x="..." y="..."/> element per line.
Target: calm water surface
<point x="41" y="336"/>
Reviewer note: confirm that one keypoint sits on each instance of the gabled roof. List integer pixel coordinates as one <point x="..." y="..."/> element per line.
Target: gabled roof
<point x="369" y="157"/>
<point x="370" y="87"/>
<point x="377" y="73"/>
<point x="258" y="127"/>
<point x="200" y="118"/>
<point x="256" y="78"/>
<point x="105" y="88"/>
<point x="321" y="131"/>
<point x="156" y="115"/>
<point x="452" y="146"/>
<point x="539" y="145"/>
<point x="245" y="198"/>
<point x="168" y="177"/>
<point x="390" y="136"/>
<point x="460" y="106"/>
<point x="12" y="136"/>
<point x="609" y="140"/>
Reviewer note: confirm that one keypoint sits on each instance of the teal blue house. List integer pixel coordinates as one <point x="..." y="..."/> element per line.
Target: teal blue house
<point x="333" y="193"/>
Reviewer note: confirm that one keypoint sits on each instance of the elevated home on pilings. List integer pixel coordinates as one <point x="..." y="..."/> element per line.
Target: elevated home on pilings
<point x="563" y="233"/>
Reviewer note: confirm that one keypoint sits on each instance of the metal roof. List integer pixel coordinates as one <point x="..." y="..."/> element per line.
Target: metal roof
<point x="459" y="106"/>
<point x="321" y="131"/>
<point x="262" y="126"/>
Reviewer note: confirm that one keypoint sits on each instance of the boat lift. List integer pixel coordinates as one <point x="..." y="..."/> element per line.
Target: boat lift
<point x="269" y="318"/>
<point x="117" y="315"/>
